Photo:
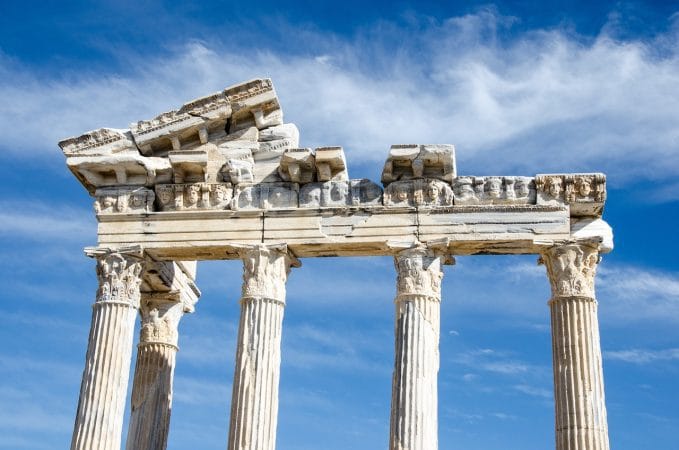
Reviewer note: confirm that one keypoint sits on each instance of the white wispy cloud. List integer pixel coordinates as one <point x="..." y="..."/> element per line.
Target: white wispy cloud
<point x="40" y="221"/>
<point x="642" y="356"/>
<point x="542" y="98"/>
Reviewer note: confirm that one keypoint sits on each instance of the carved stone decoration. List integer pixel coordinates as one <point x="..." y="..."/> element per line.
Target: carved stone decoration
<point x="266" y="196"/>
<point x="254" y="103"/>
<point x="122" y="169"/>
<point x="265" y="271"/>
<point x="419" y="273"/>
<point x="410" y="161"/>
<point x="297" y="165"/>
<point x="421" y="192"/>
<point x="123" y="200"/>
<point x="494" y="190"/>
<point x="99" y="419"/>
<point x="337" y="194"/>
<point x="571" y="269"/>
<point x="119" y="279"/>
<point x="104" y="141"/>
<point x="254" y="405"/>
<point x="331" y="164"/>
<point x="585" y="193"/>
<point x="181" y="197"/>
<point x="414" y="423"/>
<point x="580" y="405"/>
<point x="151" y="404"/>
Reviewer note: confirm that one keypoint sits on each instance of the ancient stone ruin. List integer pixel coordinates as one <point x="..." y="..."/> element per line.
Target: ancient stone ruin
<point x="223" y="177"/>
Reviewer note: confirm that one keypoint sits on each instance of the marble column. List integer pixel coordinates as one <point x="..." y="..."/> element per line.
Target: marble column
<point x="576" y="351"/>
<point x="99" y="419"/>
<point x="254" y="403"/>
<point x="152" y="389"/>
<point x="414" y="411"/>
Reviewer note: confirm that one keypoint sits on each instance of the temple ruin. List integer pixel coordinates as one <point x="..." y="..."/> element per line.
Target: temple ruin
<point x="223" y="177"/>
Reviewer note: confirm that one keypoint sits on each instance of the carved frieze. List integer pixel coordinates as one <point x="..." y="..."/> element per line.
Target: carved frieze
<point x="280" y="195"/>
<point x="104" y="141"/>
<point x="571" y="268"/>
<point x="188" y="196"/>
<point x="418" y="274"/>
<point x="585" y="193"/>
<point x="215" y="106"/>
<point x="411" y="161"/>
<point x="494" y="191"/>
<point x="254" y="103"/>
<point x="119" y="278"/>
<point x="334" y="194"/>
<point x="420" y="192"/>
<point x="123" y="200"/>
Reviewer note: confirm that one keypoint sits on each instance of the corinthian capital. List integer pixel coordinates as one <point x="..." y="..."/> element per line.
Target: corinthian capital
<point x="419" y="273"/>
<point x="571" y="268"/>
<point x="265" y="270"/>
<point x="160" y="320"/>
<point x="119" y="274"/>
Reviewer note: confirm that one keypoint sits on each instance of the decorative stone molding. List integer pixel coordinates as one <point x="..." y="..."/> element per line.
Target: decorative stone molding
<point x="265" y="196"/>
<point x="123" y="200"/>
<point x="421" y="192"/>
<point x="298" y="165"/>
<point x="571" y="268"/>
<point x="183" y="197"/>
<point x="494" y="191"/>
<point x="585" y="193"/>
<point x="104" y="141"/>
<point x="265" y="270"/>
<point x="339" y="194"/>
<point x="410" y="161"/>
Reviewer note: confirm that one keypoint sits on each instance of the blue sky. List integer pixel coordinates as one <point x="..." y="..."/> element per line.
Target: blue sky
<point x="519" y="88"/>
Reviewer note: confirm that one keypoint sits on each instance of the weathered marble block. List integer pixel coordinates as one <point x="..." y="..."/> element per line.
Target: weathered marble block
<point x="254" y="103"/>
<point x="123" y="200"/>
<point x="101" y="142"/>
<point x="420" y="192"/>
<point x="188" y="196"/>
<point x="331" y="164"/>
<point x="280" y="195"/>
<point x="408" y="161"/>
<point x="585" y="193"/>
<point x="297" y="165"/>
<point x="121" y="169"/>
<point x="333" y="194"/>
<point x="494" y="190"/>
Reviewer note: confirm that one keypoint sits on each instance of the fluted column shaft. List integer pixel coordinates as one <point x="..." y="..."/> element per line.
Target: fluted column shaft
<point x="154" y="372"/>
<point x="414" y="410"/>
<point x="254" y="403"/>
<point x="99" y="419"/>
<point x="579" y="399"/>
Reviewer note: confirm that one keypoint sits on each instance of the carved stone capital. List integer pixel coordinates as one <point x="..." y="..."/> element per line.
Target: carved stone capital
<point x="265" y="271"/>
<point x="571" y="268"/>
<point x="160" y="315"/>
<point x="119" y="275"/>
<point x="419" y="274"/>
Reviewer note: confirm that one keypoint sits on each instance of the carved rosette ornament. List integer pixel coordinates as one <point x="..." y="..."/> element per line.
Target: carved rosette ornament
<point x="414" y="423"/>
<point x="579" y="399"/>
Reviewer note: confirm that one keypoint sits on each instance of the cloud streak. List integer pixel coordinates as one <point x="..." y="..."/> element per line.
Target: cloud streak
<point x="542" y="98"/>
